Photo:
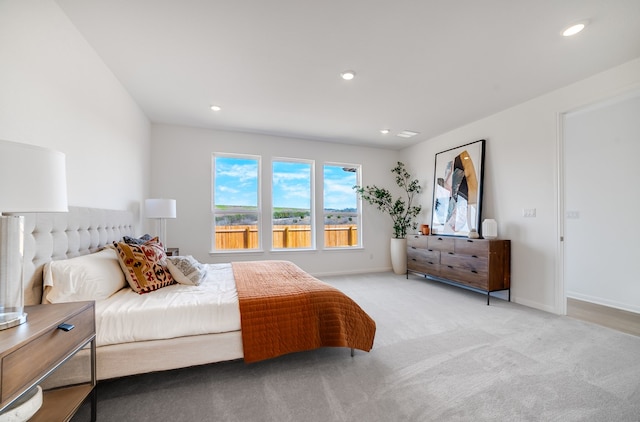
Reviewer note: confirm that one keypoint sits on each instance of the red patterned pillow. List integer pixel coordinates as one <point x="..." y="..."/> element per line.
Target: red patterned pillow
<point x="144" y="265"/>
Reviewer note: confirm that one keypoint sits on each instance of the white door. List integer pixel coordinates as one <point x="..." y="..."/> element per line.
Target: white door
<point x="601" y="174"/>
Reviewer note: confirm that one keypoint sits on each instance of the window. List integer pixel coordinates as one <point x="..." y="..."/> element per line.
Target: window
<point x="292" y="193"/>
<point x="237" y="216"/>
<point x="341" y="206"/>
<point x="236" y="202"/>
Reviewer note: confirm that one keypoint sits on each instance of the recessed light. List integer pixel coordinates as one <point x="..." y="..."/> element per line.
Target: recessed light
<point x="407" y="134"/>
<point x="348" y="75"/>
<point x="574" y="29"/>
<point x="216" y="108"/>
<point x="384" y="131"/>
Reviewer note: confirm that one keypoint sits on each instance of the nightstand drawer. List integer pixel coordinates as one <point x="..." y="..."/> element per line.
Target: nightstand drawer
<point x="26" y="365"/>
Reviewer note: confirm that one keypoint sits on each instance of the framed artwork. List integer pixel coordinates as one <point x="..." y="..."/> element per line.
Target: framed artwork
<point x="457" y="190"/>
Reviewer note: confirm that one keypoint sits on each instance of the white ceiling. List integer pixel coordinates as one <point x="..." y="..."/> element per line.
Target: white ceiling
<point x="427" y="66"/>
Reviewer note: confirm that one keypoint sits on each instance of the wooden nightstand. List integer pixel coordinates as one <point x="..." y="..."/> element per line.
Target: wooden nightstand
<point x="33" y="350"/>
<point x="173" y="251"/>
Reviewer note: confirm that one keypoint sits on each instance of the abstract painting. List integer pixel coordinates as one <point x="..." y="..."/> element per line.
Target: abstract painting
<point x="457" y="190"/>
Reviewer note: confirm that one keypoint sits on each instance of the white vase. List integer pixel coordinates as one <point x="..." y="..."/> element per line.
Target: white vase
<point x="489" y="229"/>
<point x="399" y="255"/>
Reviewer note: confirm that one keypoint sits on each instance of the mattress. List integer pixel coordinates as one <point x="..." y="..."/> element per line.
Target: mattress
<point x="173" y="311"/>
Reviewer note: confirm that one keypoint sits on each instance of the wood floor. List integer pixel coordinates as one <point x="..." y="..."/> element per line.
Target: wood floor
<point x="625" y="321"/>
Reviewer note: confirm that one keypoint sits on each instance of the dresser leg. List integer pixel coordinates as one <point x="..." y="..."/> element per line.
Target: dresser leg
<point x="94" y="405"/>
<point x="488" y="297"/>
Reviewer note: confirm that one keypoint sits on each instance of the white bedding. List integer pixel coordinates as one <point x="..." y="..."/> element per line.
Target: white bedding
<point x="173" y="311"/>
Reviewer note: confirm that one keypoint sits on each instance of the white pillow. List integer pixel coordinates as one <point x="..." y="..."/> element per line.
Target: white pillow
<point x="89" y="277"/>
<point x="186" y="270"/>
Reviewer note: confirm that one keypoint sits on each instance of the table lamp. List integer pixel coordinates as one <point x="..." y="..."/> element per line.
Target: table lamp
<point x="161" y="209"/>
<point x="32" y="179"/>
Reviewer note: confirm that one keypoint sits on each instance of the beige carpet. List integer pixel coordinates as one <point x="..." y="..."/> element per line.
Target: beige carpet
<point x="440" y="354"/>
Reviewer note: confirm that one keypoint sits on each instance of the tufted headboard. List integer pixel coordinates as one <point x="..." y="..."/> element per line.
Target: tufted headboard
<point x="51" y="236"/>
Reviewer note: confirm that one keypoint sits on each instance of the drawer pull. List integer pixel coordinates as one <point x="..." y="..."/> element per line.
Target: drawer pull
<point x="474" y="271"/>
<point x="413" y="259"/>
<point x="430" y="262"/>
<point x="469" y="240"/>
<point x="66" y="327"/>
<point x="450" y="253"/>
<point x="474" y="256"/>
<point x="430" y="250"/>
<point x="439" y="238"/>
<point x="413" y="247"/>
<point x="449" y="266"/>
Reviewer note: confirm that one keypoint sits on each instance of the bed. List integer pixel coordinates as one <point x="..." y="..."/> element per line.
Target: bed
<point x="258" y="305"/>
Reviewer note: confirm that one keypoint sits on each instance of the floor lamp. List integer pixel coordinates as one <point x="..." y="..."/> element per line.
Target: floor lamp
<point x="32" y="179"/>
<point x="161" y="209"/>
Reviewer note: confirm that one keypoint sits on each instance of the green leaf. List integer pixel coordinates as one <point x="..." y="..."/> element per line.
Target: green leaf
<point x="401" y="211"/>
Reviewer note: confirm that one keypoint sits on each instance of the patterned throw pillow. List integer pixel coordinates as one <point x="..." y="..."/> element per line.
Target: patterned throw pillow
<point x="137" y="240"/>
<point x="144" y="265"/>
<point x="186" y="270"/>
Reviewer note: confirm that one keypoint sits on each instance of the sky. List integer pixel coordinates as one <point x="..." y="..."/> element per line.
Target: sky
<point x="338" y="188"/>
<point x="237" y="181"/>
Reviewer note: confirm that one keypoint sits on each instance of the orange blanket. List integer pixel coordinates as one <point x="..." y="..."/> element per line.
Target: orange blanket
<point x="283" y="309"/>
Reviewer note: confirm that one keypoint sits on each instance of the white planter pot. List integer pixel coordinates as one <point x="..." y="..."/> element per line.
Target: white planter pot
<point x="399" y="255"/>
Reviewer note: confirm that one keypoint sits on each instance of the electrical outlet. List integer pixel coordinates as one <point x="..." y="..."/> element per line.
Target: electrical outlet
<point x="528" y="212"/>
<point x="574" y="215"/>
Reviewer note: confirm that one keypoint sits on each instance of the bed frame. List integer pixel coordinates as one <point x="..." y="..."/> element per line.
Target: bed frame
<point x="53" y="236"/>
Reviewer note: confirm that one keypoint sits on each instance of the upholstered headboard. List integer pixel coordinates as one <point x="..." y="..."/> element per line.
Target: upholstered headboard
<point x="51" y="236"/>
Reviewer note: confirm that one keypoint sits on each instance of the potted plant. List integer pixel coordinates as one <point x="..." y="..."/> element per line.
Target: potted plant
<point x="401" y="210"/>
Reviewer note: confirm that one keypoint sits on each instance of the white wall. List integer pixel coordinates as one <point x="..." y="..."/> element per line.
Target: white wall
<point x="521" y="171"/>
<point x="181" y="169"/>
<point x="601" y="152"/>
<point x="57" y="93"/>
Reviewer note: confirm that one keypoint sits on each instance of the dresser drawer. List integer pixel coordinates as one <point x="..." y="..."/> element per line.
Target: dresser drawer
<point x="441" y="243"/>
<point x="417" y="241"/>
<point x="464" y="276"/>
<point x="472" y="247"/>
<point x="472" y="263"/>
<point x="416" y="254"/>
<point x="25" y="365"/>
<point x="424" y="267"/>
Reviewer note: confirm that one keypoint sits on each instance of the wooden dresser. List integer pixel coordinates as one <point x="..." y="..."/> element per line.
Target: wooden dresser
<point x="479" y="264"/>
<point x="33" y="350"/>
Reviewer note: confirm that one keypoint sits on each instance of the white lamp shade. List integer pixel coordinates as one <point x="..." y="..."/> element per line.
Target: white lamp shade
<point x="160" y="208"/>
<point x="32" y="179"/>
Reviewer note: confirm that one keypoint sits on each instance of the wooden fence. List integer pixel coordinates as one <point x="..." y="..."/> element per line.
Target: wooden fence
<point x="290" y="236"/>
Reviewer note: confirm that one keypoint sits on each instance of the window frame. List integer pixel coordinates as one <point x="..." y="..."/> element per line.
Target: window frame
<point x="358" y="167"/>
<point x="312" y="202"/>
<point x="214" y="212"/>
